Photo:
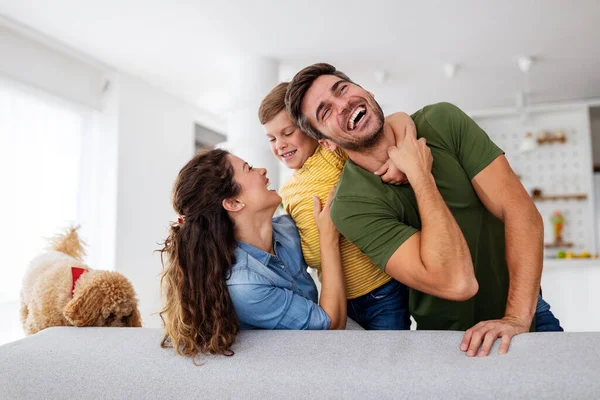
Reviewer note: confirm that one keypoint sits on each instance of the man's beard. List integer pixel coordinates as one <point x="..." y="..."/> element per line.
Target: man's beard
<point x="370" y="140"/>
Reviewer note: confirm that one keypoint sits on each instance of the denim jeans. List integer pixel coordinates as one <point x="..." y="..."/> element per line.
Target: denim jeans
<point x="545" y="321"/>
<point x="385" y="308"/>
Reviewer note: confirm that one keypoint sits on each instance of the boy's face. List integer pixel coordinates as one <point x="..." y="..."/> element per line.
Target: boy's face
<point x="288" y="143"/>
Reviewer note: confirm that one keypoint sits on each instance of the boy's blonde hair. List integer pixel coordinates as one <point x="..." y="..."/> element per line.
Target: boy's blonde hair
<point x="273" y="103"/>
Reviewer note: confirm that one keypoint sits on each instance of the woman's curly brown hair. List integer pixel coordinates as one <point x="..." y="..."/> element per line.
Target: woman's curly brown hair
<point x="198" y="313"/>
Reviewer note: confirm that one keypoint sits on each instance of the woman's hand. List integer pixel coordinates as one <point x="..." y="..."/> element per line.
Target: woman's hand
<point x="325" y="226"/>
<point x="333" y="290"/>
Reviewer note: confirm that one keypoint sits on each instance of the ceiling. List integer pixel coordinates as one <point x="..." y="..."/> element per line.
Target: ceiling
<point x="186" y="46"/>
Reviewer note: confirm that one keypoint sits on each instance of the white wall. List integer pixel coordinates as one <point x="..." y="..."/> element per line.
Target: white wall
<point x="557" y="168"/>
<point x="98" y="188"/>
<point x="37" y="61"/>
<point x="156" y="138"/>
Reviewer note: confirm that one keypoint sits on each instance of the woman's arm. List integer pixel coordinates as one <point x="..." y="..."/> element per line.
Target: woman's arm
<point x="333" y="288"/>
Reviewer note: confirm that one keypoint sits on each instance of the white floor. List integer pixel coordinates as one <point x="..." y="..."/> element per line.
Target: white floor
<point x="10" y="328"/>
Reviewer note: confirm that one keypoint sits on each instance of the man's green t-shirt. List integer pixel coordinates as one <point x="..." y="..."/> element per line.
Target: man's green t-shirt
<point x="378" y="217"/>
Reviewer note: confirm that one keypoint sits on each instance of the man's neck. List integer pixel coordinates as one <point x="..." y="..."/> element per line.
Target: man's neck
<point x="256" y="230"/>
<point x="372" y="159"/>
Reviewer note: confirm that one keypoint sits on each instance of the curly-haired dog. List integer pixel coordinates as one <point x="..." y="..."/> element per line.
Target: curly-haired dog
<point x="59" y="290"/>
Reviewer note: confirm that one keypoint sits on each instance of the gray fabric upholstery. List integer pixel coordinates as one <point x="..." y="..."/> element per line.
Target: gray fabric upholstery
<point x="352" y="325"/>
<point x="127" y="363"/>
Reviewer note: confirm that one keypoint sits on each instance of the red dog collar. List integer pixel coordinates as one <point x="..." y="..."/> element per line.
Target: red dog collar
<point x="76" y="273"/>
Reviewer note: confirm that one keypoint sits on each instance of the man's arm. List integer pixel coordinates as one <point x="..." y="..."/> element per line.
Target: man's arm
<point x="436" y="260"/>
<point x="505" y="197"/>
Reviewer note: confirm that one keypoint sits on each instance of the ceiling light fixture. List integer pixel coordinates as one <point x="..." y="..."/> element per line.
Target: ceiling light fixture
<point x="380" y="76"/>
<point x="525" y="64"/>
<point x="450" y="70"/>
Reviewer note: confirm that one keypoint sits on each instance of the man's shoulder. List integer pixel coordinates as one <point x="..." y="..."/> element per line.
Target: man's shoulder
<point x="357" y="185"/>
<point x="442" y="111"/>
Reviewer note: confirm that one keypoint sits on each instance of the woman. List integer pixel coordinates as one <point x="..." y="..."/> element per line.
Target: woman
<point x="230" y="265"/>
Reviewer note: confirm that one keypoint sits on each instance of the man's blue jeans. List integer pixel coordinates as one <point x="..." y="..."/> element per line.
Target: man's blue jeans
<point x="386" y="308"/>
<point x="545" y="321"/>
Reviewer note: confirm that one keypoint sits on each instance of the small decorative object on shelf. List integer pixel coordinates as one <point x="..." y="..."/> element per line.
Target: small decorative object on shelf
<point x="557" y="220"/>
<point x="570" y="255"/>
<point x="528" y="144"/>
<point x="558" y="245"/>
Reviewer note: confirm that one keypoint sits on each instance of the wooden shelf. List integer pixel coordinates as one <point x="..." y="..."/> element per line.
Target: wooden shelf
<point x="557" y="245"/>
<point x="553" y="197"/>
<point x="552" y="139"/>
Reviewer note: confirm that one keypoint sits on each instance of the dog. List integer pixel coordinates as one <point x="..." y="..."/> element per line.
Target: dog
<point x="59" y="290"/>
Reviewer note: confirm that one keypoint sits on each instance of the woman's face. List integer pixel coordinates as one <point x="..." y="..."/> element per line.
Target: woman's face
<point x="254" y="184"/>
<point x="288" y="144"/>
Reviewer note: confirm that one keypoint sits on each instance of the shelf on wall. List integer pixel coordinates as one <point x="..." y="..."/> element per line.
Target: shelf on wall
<point x="551" y="197"/>
<point x="556" y="245"/>
<point x="553" y="139"/>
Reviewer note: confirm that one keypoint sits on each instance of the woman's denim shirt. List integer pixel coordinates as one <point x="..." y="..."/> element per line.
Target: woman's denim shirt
<point x="275" y="291"/>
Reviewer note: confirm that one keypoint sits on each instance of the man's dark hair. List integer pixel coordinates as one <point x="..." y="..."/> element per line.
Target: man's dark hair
<point x="297" y="90"/>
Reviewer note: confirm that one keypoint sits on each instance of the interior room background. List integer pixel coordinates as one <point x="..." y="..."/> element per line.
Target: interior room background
<point x="98" y="113"/>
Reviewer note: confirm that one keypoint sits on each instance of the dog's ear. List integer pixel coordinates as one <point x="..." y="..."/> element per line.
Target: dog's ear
<point x="84" y="309"/>
<point x="135" y="320"/>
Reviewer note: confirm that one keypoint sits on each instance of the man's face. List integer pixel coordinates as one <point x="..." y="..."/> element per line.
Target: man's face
<point x="345" y="113"/>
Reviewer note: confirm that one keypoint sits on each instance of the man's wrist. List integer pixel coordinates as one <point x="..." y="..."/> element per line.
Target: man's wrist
<point x="418" y="178"/>
<point x="519" y="318"/>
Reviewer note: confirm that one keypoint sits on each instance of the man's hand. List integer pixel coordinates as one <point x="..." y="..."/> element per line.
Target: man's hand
<point x="391" y="175"/>
<point x="485" y="333"/>
<point x="412" y="156"/>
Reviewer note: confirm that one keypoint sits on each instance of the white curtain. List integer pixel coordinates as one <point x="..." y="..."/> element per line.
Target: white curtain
<point x="41" y="147"/>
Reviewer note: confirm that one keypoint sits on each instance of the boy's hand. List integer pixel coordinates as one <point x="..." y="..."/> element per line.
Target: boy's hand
<point x="391" y="175"/>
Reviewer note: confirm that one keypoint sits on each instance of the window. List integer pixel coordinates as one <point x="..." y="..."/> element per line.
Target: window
<point x="41" y="145"/>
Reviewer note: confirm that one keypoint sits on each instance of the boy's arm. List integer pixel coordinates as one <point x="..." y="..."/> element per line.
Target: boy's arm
<point x="400" y="123"/>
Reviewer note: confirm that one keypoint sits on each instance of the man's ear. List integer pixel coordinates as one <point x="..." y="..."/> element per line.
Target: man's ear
<point x="372" y="95"/>
<point x="233" y="205"/>
<point x="329" y="145"/>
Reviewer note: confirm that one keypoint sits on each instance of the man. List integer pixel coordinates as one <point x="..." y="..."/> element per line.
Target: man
<point x="467" y="205"/>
